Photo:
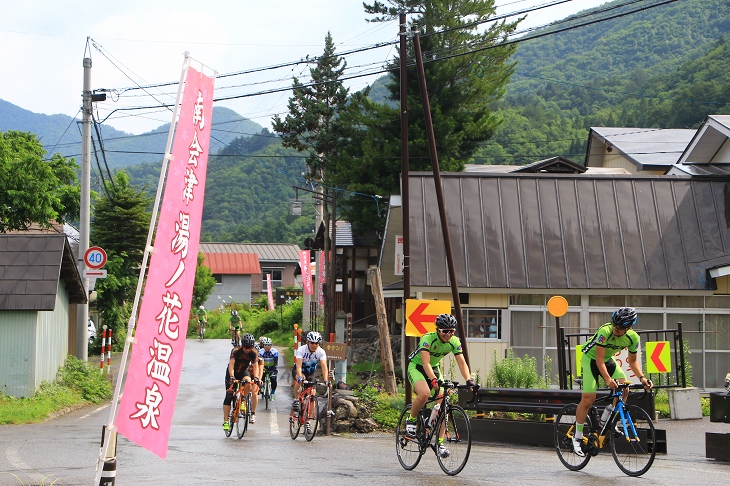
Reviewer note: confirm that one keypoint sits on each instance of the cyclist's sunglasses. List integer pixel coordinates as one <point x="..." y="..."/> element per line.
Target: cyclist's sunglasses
<point x="447" y="331"/>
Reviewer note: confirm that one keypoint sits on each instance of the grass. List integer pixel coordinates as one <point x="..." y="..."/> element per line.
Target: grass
<point x="78" y="383"/>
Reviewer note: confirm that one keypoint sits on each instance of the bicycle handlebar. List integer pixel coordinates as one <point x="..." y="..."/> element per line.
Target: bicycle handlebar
<point x="447" y="384"/>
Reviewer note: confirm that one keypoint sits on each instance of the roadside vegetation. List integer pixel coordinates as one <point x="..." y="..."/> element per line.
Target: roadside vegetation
<point x="78" y="383"/>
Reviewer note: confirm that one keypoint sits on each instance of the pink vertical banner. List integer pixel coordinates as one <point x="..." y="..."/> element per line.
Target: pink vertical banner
<point x="271" y="291"/>
<point x="306" y="271"/>
<point x="150" y="391"/>
<point x="322" y="278"/>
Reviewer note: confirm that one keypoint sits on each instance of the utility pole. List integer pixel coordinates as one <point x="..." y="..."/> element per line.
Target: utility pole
<point x="82" y="329"/>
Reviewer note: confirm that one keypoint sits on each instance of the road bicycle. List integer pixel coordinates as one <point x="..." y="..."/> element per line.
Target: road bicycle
<point x="265" y="389"/>
<point x="451" y="419"/>
<point x="240" y="410"/>
<point x="235" y="338"/>
<point x="630" y="432"/>
<point x="201" y="330"/>
<point x="308" y="414"/>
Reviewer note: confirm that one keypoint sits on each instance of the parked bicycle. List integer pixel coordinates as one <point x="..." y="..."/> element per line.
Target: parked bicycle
<point x="451" y="419"/>
<point x="240" y="410"/>
<point x="629" y="429"/>
<point x="308" y="414"/>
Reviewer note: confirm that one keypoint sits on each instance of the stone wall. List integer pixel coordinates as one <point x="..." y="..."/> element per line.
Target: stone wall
<point x="367" y="349"/>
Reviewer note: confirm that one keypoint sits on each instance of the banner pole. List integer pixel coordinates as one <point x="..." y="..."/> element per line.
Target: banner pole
<point x="111" y="428"/>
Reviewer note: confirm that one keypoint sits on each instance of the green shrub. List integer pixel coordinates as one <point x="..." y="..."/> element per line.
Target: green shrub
<point x="86" y="379"/>
<point x="514" y="372"/>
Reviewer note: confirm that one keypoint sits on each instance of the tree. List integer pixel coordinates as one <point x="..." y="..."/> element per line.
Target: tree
<point x="120" y="226"/>
<point x="34" y="190"/>
<point x="314" y="126"/>
<point x="466" y="70"/>
<point x="204" y="283"/>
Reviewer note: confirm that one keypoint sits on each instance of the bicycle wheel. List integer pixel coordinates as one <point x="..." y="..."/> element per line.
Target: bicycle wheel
<point x="564" y="430"/>
<point x="232" y="416"/>
<point x="312" y="418"/>
<point x="267" y="392"/>
<point x="457" y="441"/>
<point x="294" y="423"/>
<point x="408" y="449"/>
<point x="633" y="449"/>
<point x="242" y="422"/>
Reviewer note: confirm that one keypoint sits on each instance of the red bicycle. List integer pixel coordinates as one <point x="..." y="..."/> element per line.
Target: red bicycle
<point x="308" y="414"/>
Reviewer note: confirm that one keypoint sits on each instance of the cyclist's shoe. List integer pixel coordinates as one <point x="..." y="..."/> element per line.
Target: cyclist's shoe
<point x="577" y="447"/>
<point x="295" y="406"/>
<point x="252" y="420"/>
<point x="411" y="428"/>
<point x="272" y="397"/>
<point x="443" y="451"/>
<point x="619" y="429"/>
<point x="226" y="427"/>
<point x="308" y="428"/>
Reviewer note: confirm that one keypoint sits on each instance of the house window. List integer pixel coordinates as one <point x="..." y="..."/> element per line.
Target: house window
<point x="276" y="274"/>
<point x="218" y="278"/>
<point x="483" y="323"/>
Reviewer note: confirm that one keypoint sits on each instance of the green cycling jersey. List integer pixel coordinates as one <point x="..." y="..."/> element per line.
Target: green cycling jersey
<point x="436" y="348"/>
<point x="605" y="338"/>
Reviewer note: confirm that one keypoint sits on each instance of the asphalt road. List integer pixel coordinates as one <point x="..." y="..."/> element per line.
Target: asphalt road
<point x="63" y="451"/>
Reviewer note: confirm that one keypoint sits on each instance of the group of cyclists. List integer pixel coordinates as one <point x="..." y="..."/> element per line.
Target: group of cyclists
<point x="250" y="360"/>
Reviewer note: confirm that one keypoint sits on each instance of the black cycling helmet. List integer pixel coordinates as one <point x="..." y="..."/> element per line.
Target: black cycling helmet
<point x="314" y="337"/>
<point x="446" y="321"/>
<point x="624" y="317"/>
<point x="248" y="340"/>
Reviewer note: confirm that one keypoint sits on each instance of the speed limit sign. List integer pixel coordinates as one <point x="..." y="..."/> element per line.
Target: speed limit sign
<point x="95" y="257"/>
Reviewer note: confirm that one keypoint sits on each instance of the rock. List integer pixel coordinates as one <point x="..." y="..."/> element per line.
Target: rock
<point x="365" y="425"/>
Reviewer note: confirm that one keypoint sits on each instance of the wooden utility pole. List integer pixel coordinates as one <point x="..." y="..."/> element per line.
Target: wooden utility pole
<point x="386" y="353"/>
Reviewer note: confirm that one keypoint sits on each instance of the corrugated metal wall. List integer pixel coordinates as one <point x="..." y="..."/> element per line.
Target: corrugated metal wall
<point x="33" y="345"/>
<point x="17" y="352"/>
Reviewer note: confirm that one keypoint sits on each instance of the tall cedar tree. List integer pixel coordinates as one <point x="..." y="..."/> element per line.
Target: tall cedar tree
<point x="466" y="70"/>
<point x="34" y="190"/>
<point x="120" y="226"/>
<point x="314" y="126"/>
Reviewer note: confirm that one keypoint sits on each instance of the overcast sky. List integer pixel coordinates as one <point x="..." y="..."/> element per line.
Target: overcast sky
<point x="141" y="42"/>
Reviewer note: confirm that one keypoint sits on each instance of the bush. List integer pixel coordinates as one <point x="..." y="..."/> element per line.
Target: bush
<point x="85" y="379"/>
<point x="514" y="372"/>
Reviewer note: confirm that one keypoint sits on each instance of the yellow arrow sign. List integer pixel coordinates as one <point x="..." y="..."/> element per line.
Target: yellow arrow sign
<point x="658" y="357"/>
<point x="421" y="314"/>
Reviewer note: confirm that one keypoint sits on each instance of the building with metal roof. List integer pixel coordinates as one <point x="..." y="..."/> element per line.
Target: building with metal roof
<point x="40" y="287"/>
<point x="645" y="150"/>
<point x="241" y="269"/>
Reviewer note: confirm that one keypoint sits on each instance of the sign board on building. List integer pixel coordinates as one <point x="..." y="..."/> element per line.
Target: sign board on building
<point x="335" y="351"/>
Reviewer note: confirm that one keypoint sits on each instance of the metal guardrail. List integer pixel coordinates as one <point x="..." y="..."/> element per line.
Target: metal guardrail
<point x="567" y="343"/>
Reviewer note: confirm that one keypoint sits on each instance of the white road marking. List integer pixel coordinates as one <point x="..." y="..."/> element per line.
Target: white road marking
<point x="93" y="412"/>
<point x="273" y="418"/>
<point x="12" y="454"/>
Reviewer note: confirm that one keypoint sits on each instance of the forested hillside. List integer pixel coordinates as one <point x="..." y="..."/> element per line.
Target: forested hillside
<point x="665" y="67"/>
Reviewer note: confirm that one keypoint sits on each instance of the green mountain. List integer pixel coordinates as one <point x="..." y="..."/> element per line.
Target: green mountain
<point x="60" y="133"/>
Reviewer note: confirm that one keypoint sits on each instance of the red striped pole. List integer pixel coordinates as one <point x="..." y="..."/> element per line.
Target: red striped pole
<point x="109" y="354"/>
<point x="103" y="341"/>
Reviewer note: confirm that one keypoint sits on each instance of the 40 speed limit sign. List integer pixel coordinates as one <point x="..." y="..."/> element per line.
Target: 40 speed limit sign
<point x="95" y="258"/>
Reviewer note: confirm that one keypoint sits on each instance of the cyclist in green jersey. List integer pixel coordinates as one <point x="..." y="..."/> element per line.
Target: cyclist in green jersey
<point x="234" y="325"/>
<point x="424" y="370"/>
<point x="202" y="315"/>
<point x="598" y="359"/>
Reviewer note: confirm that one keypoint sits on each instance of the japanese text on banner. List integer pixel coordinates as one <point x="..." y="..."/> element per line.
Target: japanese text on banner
<point x="150" y="392"/>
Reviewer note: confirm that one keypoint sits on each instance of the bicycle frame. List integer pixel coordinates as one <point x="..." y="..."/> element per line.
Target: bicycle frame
<point x="630" y="431"/>
<point x="451" y="424"/>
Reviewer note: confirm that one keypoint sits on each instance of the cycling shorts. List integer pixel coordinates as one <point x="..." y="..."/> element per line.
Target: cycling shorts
<point x="590" y="373"/>
<point x="417" y="373"/>
<point x="229" y="393"/>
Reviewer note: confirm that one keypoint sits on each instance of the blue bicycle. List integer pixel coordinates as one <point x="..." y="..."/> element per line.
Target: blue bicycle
<point x="630" y="432"/>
